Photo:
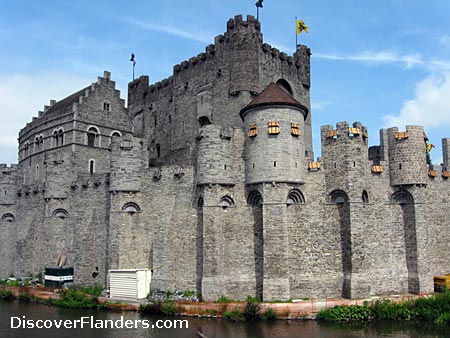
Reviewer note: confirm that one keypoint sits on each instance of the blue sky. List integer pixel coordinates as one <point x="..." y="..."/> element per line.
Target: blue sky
<point x="382" y="62"/>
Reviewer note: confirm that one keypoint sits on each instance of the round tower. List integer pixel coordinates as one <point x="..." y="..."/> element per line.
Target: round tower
<point x="407" y="156"/>
<point x="274" y="147"/>
<point x="215" y="155"/>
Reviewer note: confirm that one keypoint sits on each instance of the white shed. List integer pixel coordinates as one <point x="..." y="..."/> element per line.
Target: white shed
<point x="129" y="283"/>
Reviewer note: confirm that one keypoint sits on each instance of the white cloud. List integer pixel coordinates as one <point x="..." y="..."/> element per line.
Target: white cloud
<point x="203" y="37"/>
<point x="386" y="56"/>
<point x="430" y="107"/>
<point x="23" y="95"/>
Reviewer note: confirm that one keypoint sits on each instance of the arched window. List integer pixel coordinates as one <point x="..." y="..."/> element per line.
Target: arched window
<point x="283" y="84"/>
<point x="338" y="196"/>
<point x="91" y="167"/>
<point x="226" y="202"/>
<point x="37" y="171"/>
<point x="8" y="217"/>
<point x="402" y="197"/>
<point x="295" y="196"/>
<point x="36" y="144"/>
<point x="93" y="137"/>
<point x="200" y="202"/>
<point x="365" y="197"/>
<point x="158" y="150"/>
<point x="60" y="213"/>
<point x="26" y="147"/>
<point x="61" y="137"/>
<point x="254" y="198"/>
<point x="55" y="138"/>
<point x="41" y="142"/>
<point x="131" y="208"/>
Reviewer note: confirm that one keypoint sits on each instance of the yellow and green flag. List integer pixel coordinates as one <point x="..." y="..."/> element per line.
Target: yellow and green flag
<point x="301" y="26"/>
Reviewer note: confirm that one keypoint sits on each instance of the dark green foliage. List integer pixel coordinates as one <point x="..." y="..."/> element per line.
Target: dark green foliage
<point x="76" y="298"/>
<point x="169" y="308"/>
<point x="234" y="315"/>
<point x="252" y="307"/>
<point x="435" y="308"/>
<point x="158" y="307"/>
<point x="388" y="310"/>
<point x="225" y="299"/>
<point x="94" y="290"/>
<point x="5" y="294"/>
<point x="345" y="313"/>
<point x="269" y="314"/>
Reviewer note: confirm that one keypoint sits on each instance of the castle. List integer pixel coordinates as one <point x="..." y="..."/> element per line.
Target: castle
<point x="208" y="178"/>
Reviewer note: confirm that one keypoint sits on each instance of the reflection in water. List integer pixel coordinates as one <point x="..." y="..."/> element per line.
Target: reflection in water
<point x="212" y="328"/>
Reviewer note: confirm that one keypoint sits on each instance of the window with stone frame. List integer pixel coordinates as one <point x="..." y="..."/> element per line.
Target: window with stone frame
<point x="274" y="128"/>
<point x="252" y="132"/>
<point x="295" y="129"/>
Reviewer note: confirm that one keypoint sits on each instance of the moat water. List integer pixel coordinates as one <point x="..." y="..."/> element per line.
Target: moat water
<point x="211" y="328"/>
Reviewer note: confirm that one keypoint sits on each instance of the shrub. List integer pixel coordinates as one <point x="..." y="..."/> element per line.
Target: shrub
<point x="388" y="310"/>
<point x="152" y="308"/>
<point x="234" y="315"/>
<point x="225" y="299"/>
<point x="269" y="314"/>
<point x="345" y="313"/>
<point x="252" y="308"/>
<point x="5" y="294"/>
<point x="169" y="308"/>
<point x="94" y="290"/>
<point x="75" y="298"/>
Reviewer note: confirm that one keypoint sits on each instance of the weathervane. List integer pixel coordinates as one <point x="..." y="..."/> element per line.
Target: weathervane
<point x="258" y="6"/>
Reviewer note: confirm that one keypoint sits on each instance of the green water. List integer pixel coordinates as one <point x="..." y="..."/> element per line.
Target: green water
<point x="210" y="327"/>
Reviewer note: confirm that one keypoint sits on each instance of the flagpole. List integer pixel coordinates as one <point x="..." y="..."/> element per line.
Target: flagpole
<point x="296" y="42"/>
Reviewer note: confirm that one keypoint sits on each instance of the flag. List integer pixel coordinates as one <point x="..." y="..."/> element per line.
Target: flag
<point x="259" y="3"/>
<point x="132" y="59"/>
<point x="301" y="26"/>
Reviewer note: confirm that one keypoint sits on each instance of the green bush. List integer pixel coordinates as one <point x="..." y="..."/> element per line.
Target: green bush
<point x="269" y="314"/>
<point x="345" y="313"/>
<point x="169" y="308"/>
<point x="225" y="299"/>
<point x="93" y="290"/>
<point x="388" y="310"/>
<point x="252" y="308"/>
<point x="76" y="298"/>
<point x="5" y="294"/>
<point x="234" y="315"/>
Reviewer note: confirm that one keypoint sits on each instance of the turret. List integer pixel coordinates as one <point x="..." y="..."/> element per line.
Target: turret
<point x="344" y="154"/>
<point x="274" y="147"/>
<point x="215" y="155"/>
<point x="407" y="156"/>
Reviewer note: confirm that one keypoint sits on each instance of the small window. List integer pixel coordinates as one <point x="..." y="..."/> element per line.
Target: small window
<point x="60" y="140"/>
<point x="131" y="208"/>
<point x="8" y="217"/>
<point x="91" y="166"/>
<point x="106" y="106"/>
<point x="295" y="131"/>
<point x="274" y="128"/>
<point x="252" y="130"/>
<point x="36" y="144"/>
<point x="60" y="213"/>
<point x="226" y="202"/>
<point x="55" y="138"/>
<point x="92" y="136"/>
<point x="158" y="150"/>
<point x="365" y="197"/>
<point x="37" y="171"/>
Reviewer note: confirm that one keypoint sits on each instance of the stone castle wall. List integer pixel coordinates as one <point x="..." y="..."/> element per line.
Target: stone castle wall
<point x="176" y="183"/>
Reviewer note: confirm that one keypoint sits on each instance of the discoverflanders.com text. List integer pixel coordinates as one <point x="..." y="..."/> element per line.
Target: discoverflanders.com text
<point x="92" y="323"/>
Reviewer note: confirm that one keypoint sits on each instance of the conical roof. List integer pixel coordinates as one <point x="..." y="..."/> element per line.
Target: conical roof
<point x="273" y="95"/>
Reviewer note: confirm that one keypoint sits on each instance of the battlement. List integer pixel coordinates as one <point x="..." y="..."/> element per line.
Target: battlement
<point x="343" y="132"/>
<point x="4" y="167"/>
<point x="239" y="24"/>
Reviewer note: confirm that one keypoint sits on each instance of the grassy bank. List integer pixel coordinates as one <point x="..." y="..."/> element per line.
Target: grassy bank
<point x="435" y="308"/>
